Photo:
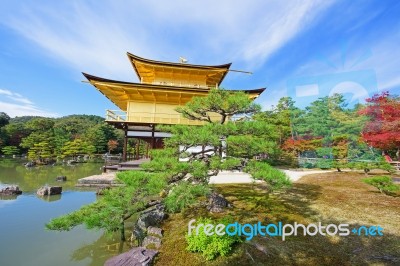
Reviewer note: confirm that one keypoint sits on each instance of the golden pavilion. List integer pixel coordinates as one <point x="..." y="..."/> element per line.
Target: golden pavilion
<point x="162" y="87"/>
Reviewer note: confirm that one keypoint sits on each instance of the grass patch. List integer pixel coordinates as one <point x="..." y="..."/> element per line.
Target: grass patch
<point x="329" y="198"/>
<point x="384" y="184"/>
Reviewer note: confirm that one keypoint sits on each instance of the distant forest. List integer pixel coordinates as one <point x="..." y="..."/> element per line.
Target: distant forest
<point x="43" y="139"/>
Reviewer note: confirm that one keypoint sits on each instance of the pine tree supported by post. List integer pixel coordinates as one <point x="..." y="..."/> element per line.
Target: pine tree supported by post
<point x="163" y="87"/>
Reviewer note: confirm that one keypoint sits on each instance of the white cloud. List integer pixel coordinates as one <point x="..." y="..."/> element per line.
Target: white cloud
<point x="14" y="104"/>
<point x="15" y="97"/>
<point x="94" y="38"/>
<point x="280" y="25"/>
<point x="307" y="90"/>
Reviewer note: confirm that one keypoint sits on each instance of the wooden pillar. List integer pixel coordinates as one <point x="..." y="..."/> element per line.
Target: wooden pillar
<point x="125" y="152"/>
<point x="152" y="137"/>
<point x="137" y="148"/>
<point x="147" y="149"/>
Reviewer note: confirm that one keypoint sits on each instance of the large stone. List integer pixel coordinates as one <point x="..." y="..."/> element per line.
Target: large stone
<point x="217" y="202"/>
<point x="10" y="190"/>
<point x="151" y="242"/>
<point x="30" y="164"/>
<point x="154" y="231"/>
<point x="134" y="257"/>
<point x="48" y="191"/>
<point x="151" y="217"/>
<point x="61" y="178"/>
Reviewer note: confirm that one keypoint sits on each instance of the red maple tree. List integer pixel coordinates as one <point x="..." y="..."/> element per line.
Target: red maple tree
<point x="383" y="128"/>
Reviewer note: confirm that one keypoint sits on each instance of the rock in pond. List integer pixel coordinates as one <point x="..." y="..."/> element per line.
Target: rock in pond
<point x="30" y="164"/>
<point x="135" y="257"/>
<point x="10" y="190"/>
<point x="48" y="191"/>
<point x="61" y="178"/>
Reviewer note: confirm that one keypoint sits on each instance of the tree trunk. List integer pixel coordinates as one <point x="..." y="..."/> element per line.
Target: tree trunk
<point x="223" y="118"/>
<point x="122" y="231"/>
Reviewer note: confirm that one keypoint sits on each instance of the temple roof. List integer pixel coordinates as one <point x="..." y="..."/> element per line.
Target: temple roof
<point x="120" y="92"/>
<point x="157" y="72"/>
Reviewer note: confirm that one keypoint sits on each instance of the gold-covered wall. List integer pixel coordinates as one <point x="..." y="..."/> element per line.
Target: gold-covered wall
<point x="160" y="113"/>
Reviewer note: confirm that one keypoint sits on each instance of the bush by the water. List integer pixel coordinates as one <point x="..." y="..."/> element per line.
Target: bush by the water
<point x="275" y="178"/>
<point x="383" y="183"/>
<point x="183" y="195"/>
<point x="210" y="246"/>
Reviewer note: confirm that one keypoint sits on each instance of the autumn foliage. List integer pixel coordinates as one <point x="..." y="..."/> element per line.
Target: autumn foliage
<point x="383" y="129"/>
<point x="296" y="146"/>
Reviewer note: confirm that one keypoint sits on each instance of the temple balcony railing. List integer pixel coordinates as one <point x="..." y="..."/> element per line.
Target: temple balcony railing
<point x="152" y="118"/>
<point x="115" y="115"/>
<point x="182" y="84"/>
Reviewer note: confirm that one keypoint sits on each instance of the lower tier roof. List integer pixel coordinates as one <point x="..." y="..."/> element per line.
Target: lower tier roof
<point x="120" y="92"/>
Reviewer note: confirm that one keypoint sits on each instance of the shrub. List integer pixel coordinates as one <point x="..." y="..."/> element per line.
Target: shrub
<point x="367" y="166"/>
<point x="307" y="165"/>
<point x="211" y="246"/>
<point x="275" y="178"/>
<point x="184" y="195"/>
<point x="324" y="163"/>
<point x="341" y="163"/>
<point x="383" y="183"/>
<point x="231" y="163"/>
<point x="153" y="183"/>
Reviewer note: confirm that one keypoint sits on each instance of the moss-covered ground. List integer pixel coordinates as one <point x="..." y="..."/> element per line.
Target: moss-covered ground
<point x="327" y="198"/>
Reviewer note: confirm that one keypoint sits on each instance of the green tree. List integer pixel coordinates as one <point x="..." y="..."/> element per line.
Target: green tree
<point x="40" y="141"/>
<point x="10" y="150"/>
<point x="99" y="135"/>
<point x="61" y="137"/>
<point x="4" y="119"/>
<point x="223" y="102"/>
<point x="40" y="152"/>
<point x="235" y="134"/>
<point x="328" y="117"/>
<point x="77" y="125"/>
<point x="15" y="132"/>
<point x="284" y="116"/>
<point x="75" y="148"/>
<point x="116" y="206"/>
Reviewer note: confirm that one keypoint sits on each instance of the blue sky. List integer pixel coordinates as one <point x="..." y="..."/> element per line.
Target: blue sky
<point x="304" y="49"/>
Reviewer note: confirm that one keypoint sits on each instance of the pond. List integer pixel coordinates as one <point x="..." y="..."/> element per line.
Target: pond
<point x="24" y="239"/>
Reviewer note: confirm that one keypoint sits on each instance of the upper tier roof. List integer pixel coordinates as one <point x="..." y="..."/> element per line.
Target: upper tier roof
<point x="163" y="73"/>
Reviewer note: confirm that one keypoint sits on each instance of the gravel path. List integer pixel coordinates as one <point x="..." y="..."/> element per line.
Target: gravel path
<point x="233" y="177"/>
<point x="296" y="175"/>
